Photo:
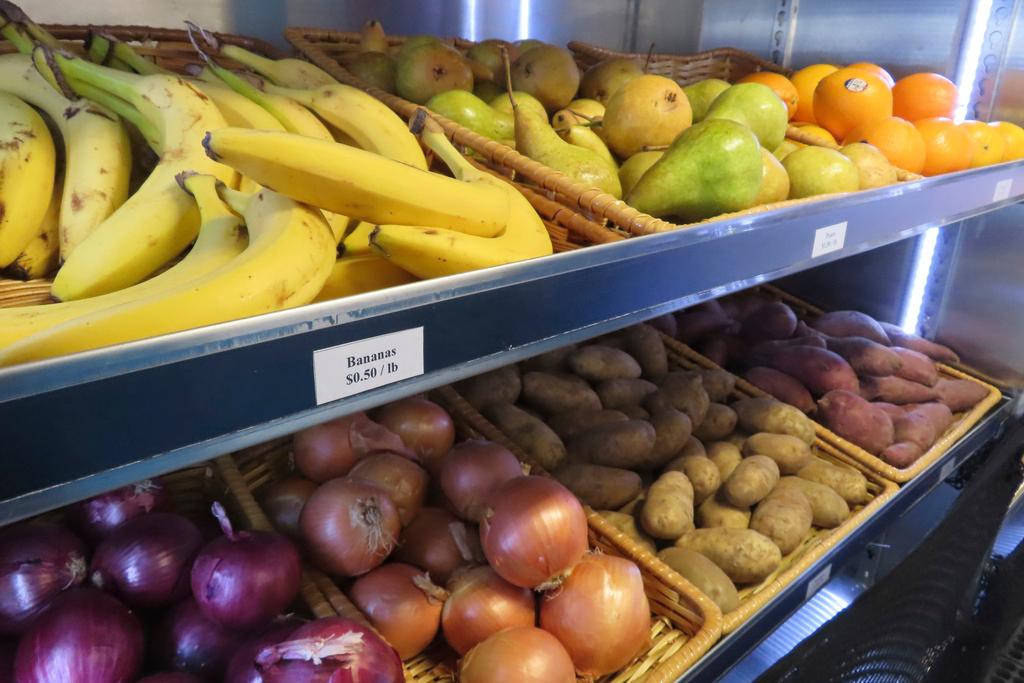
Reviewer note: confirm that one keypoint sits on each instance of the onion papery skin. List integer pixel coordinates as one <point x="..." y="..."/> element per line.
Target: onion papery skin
<point x="98" y="516"/>
<point x="518" y="655"/>
<point x="324" y="451"/>
<point x="430" y="544"/>
<point x="406" y="615"/>
<point x="37" y="562"/>
<point x="404" y="481"/>
<point x="283" y="503"/>
<point x="422" y="425"/>
<point x="472" y="472"/>
<point x="242" y="665"/>
<point x="481" y="603"/>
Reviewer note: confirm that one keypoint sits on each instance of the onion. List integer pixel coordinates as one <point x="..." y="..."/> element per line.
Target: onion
<point x="472" y="472"/>
<point x="535" y="532"/>
<point x="187" y="640"/>
<point x="86" y="637"/>
<point x="518" y="655"/>
<point x="172" y="677"/>
<point x="600" y="614"/>
<point x="331" y="449"/>
<point x="480" y="604"/>
<point x="402" y="604"/>
<point x="283" y="503"/>
<point x="7" y="650"/>
<point x="242" y="667"/>
<point x="404" y="481"/>
<point x="146" y="561"/>
<point x="97" y="517"/>
<point x="243" y="579"/>
<point x="438" y="543"/>
<point x="331" y="650"/>
<point x="423" y="426"/>
<point x="37" y="562"/>
<point x="350" y="525"/>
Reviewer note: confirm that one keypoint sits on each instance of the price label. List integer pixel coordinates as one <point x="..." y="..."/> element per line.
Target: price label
<point x="349" y="369"/>
<point x="819" y="580"/>
<point x="828" y="239"/>
<point x="1003" y="189"/>
<point x="947" y="469"/>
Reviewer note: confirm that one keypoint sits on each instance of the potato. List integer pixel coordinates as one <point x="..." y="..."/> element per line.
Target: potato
<point x="896" y="390"/>
<point x="693" y="446"/>
<point x="597" y="363"/>
<point x="633" y="507"/>
<point x="788" y="452"/>
<point x="672" y="430"/>
<point x="529" y="433"/>
<point x="570" y="424"/>
<point x="856" y="420"/>
<point x="613" y="340"/>
<point x="684" y="391"/>
<point x="552" y="393"/>
<point x="737" y="439"/>
<point x="866" y="357"/>
<point x="851" y="324"/>
<point x="718" y="512"/>
<point x="624" y="444"/>
<point x="718" y="383"/>
<point x="916" y="366"/>
<point x="718" y="423"/>
<point x="751" y="481"/>
<point x="702" y="473"/>
<point x="725" y="456"/>
<point x="599" y="486"/>
<point x="626" y="523"/>
<point x="959" y="394"/>
<point x="668" y="511"/>
<point x="848" y="483"/>
<point x="936" y="352"/>
<point x="665" y="323"/>
<point x="902" y="454"/>
<point x="497" y="386"/>
<point x="916" y="428"/>
<point x="820" y="370"/>
<point x="555" y="360"/>
<point x="704" y="574"/>
<point x="619" y="393"/>
<point x="643" y="342"/>
<point x="635" y="412"/>
<point x="785" y="517"/>
<point x="743" y="554"/>
<point x="828" y="509"/>
<point x="766" y="414"/>
<point x="774" y="320"/>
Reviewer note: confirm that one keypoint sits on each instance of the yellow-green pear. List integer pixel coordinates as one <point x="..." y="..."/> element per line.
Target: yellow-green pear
<point x="523" y="99"/>
<point x="819" y="170"/>
<point x="375" y="69"/>
<point x="521" y="46"/>
<point x="429" y="69"/>
<point x="633" y="168"/>
<point x="601" y="80"/>
<point x="786" y="147"/>
<point x="648" y="111"/>
<point x="549" y="73"/>
<point x="584" y="136"/>
<point x="488" y="54"/>
<point x="372" y="37"/>
<point x="487" y="90"/>
<point x="578" y="112"/>
<point x="774" y="180"/>
<point x="874" y="169"/>
<point x="470" y="111"/>
<point x="756" y="106"/>
<point x="702" y="93"/>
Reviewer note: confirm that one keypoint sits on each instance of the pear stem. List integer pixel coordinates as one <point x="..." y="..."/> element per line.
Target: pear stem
<point x="647" y="62"/>
<point x="508" y="76"/>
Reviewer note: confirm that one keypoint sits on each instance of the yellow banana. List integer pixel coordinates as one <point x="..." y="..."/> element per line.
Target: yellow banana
<point x="289" y="256"/>
<point x="360" y="184"/>
<point x="357" y="241"/>
<point x="364" y="273"/>
<point x="42" y="254"/>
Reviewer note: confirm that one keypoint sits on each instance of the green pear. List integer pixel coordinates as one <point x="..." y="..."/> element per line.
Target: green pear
<point x="523" y="99"/>
<point x="522" y="46"/>
<point x="584" y="136"/>
<point x="601" y="80"/>
<point x="374" y="68"/>
<point x="549" y="73"/>
<point x="714" y="167"/>
<point x="819" y="170"/>
<point x="470" y="111"/>
<point x="786" y="147"/>
<point x="577" y="113"/>
<point x="648" y="111"/>
<point x="756" y="106"/>
<point x="774" y="180"/>
<point x="429" y="69"/>
<point x="488" y="90"/>
<point x="488" y="54"/>
<point x="414" y="42"/>
<point x="539" y="141"/>
<point x="702" y="93"/>
<point x="633" y="168"/>
<point x="372" y="37"/>
<point x="872" y="166"/>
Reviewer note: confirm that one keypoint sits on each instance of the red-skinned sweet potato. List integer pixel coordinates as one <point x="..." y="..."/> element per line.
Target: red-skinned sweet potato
<point x="891" y="409"/>
<point x="916" y="366"/>
<point x="780" y="385"/>
<point x="902" y="455"/>
<point x="959" y="394"/>
<point x="699" y="321"/>
<point x="865" y="356"/>
<point x="856" y="420"/>
<point x="739" y="306"/>
<point x="896" y="390"/>
<point x="914" y="428"/>
<point x="938" y="414"/>
<point x="716" y="349"/>
<point x="665" y="323"/>
<point x="851" y="324"/>
<point x="933" y="350"/>
<point x="820" y="370"/>
<point x="774" y="320"/>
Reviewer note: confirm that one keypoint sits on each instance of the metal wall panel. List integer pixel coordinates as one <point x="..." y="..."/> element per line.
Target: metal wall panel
<point x="1009" y="94"/>
<point x="674" y="26"/>
<point x="744" y="24"/>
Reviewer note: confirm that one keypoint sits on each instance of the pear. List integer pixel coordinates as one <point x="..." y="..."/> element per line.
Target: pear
<point x="819" y="170"/>
<point x="786" y="147"/>
<point x="584" y="136"/>
<point x="648" y="111"/>
<point x="523" y="99"/>
<point x="548" y="73"/>
<point x="756" y="106"/>
<point x="522" y="46"/>
<point x="374" y="68"/>
<point x="372" y="38"/>
<point x="714" y="167"/>
<point x="414" y="42"/>
<point x="633" y="168"/>
<point x="472" y="112"/>
<point x="702" y="93"/>
<point x="429" y="69"/>
<point x="774" y="180"/>
<point x="578" y="112"/>
<point x="601" y="80"/>
<point x="488" y="90"/>
<point x="488" y="54"/>
<point x="872" y="166"/>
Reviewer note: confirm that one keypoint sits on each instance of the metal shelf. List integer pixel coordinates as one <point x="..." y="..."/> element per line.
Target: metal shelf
<point x="75" y="426"/>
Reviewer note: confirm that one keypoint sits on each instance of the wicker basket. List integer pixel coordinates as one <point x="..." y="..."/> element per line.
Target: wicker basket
<point x="725" y="63"/>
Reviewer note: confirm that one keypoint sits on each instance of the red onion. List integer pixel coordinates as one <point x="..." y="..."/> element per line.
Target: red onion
<point x="97" y="517"/>
<point x="37" y="562"/>
<point x="518" y="655"/>
<point x="404" y="481"/>
<point x="331" y="650"/>
<point x="600" y="614"/>
<point x="243" y="579"/>
<point x="242" y="667"/>
<point x="173" y="677"/>
<point x="7" y="650"/>
<point x="146" y="561"/>
<point x="283" y="503"/>
<point x="402" y="604"/>
<point x="331" y="449"/>
<point x="472" y="472"/>
<point x="423" y="426"/>
<point x="534" y="533"/>
<point x="187" y="640"/>
<point x="87" y="637"/>
<point x="438" y="543"/>
<point x="350" y="525"/>
<point x="480" y="604"/>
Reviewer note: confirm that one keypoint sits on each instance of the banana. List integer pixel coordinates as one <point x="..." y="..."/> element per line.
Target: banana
<point x="222" y="237"/>
<point x="288" y="259"/>
<point x="41" y="255"/>
<point x="364" y="273"/>
<point x="160" y="219"/>
<point x="357" y="241"/>
<point x="360" y="184"/>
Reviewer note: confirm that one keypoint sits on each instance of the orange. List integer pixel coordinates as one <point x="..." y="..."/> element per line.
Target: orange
<point x="923" y="96"/>
<point x="817" y="131"/>
<point x="782" y="86"/>
<point x="849" y="98"/>
<point x="876" y="70"/>
<point x="988" y="143"/>
<point x="1013" y="139"/>
<point x="898" y="140"/>
<point x="805" y="81"/>
<point x="948" y="147"/>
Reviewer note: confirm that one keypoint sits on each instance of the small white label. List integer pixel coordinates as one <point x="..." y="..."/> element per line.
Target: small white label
<point x="947" y="469"/>
<point x="349" y="369"/>
<point x="1002" y="191"/>
<point x="828" y="239"/>
<point x="818" y="581"/>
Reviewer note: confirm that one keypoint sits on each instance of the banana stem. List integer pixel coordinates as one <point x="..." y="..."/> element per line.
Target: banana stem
<point x="117" y="83"/>
<point x="238" y="201"/>
<point x="98" y="47"/>
<point x="17" y="37"/>
<point x="203" y="188"/>
<point x="434" y="138"/>
<point x="141" y="65"/>
<point x="14" y="14"/>
<point x="259" y="64"/>
<point x="123" y="109"/>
